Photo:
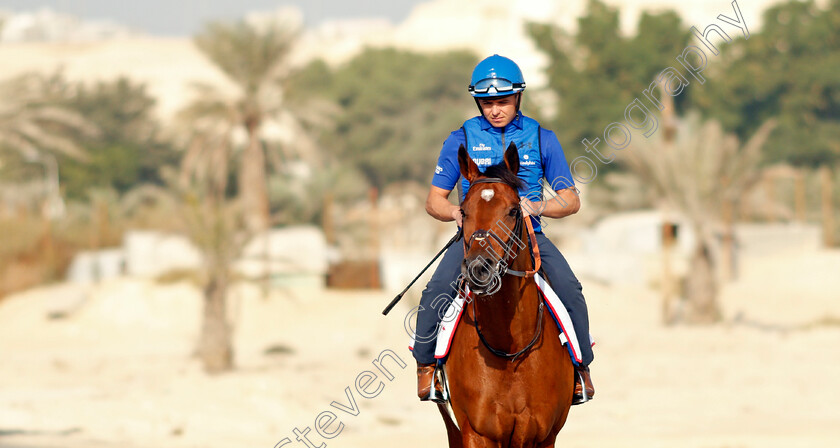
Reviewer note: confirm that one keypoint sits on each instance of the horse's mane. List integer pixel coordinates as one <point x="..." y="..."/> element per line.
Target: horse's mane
<point x="501" y="171"/>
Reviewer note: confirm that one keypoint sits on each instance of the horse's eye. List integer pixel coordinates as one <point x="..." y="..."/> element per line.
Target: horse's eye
<point x="463" y="214"/>
<point x="513" y="212"/>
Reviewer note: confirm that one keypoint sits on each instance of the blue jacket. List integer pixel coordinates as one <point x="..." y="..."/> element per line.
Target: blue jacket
<point x="540" y="155"/>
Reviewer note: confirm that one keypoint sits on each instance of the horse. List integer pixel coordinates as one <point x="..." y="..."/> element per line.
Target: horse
<point x="511" y="380"/>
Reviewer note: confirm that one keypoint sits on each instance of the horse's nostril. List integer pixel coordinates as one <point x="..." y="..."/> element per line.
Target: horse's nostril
<point x="479" y="271"/>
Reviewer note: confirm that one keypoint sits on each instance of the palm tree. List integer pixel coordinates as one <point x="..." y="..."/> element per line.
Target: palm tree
<point x="33" y="122"/>
<point x="214" y="222"/>
<point x="254" y="58"/>
<point x="193" y="203"/>
<point x="697" y="169"/>
<point x="35" y="126"/>
<point x="209" y="125"/>
<point x="218" y="230"/>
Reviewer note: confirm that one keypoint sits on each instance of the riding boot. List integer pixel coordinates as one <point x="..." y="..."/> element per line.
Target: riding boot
<point x="425" y="376"/>
<point x="584" y="390"/>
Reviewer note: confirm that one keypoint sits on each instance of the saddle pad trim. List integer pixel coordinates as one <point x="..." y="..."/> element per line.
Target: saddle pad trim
<point x="562" y="317"/>
<point x="447" y="328"/>
<point x="558" y="312"/>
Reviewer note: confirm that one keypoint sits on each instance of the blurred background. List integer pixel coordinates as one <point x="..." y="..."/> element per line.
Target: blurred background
<point x="204" y="206"/>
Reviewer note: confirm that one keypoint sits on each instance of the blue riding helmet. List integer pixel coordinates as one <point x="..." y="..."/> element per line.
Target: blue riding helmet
<point x="496" y="76"/>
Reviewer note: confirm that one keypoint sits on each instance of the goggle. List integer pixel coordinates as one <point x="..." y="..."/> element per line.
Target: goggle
<point x="498" y="84"/>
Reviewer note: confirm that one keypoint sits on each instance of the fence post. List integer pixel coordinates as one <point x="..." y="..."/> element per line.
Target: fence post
<point x="799" y="194"/>
<point x="770" y="189"/>
<point x="827" y="183"/>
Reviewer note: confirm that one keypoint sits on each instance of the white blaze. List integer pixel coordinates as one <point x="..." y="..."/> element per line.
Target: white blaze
<point x="487" y="194"/>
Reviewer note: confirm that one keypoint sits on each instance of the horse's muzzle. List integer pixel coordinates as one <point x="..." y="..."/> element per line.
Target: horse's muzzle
<point x="481" y="274"/>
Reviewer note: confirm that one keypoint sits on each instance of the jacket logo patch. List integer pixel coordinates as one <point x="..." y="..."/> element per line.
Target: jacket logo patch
<point x="526" y="162"/>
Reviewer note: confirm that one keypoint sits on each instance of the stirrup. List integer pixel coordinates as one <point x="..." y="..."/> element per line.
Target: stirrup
<point x="439" y="375"/>
<point x="583" y="397"/>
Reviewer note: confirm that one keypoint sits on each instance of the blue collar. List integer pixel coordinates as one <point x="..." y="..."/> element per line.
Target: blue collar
<point x="515" y="123"/>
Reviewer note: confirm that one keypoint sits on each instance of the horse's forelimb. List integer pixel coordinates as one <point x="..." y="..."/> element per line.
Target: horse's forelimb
<point x="452" y="431"/>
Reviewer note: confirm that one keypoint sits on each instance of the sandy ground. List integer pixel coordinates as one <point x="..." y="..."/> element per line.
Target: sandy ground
<point x="118" y="371"/>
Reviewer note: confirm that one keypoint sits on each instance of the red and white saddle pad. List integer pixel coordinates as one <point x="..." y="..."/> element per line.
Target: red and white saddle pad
<point x="555" y="306"/>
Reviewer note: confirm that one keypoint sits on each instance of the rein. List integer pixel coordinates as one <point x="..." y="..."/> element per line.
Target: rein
<point x="535" y="252"/>
<point x="502" y="354"/>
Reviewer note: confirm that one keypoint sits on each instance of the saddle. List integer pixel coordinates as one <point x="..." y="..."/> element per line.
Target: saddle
<point x="558" y="312"/>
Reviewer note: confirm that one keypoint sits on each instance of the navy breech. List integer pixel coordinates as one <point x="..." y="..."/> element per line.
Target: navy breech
<point x="440" y="291"/>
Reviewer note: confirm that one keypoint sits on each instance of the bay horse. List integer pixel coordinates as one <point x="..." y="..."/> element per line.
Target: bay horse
<point x="511" y="380"/>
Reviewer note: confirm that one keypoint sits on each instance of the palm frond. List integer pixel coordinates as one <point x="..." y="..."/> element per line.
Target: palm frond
<point x="700" y="169"/>
<point x="248" y="55"/>
<point x="33" y="120"/>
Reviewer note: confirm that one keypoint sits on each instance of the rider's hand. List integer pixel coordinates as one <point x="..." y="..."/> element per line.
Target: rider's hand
<point x="528" y="207"/>
<point x="457" y="216"/>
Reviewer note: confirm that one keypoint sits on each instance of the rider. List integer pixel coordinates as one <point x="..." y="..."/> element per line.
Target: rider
<point x="497" y="84"/>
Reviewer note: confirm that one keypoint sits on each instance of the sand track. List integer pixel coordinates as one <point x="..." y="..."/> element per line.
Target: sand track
<point x="118" y="370"/>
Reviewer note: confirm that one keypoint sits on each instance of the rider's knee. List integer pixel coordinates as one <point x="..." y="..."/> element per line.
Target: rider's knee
<point x="441" y="300"/>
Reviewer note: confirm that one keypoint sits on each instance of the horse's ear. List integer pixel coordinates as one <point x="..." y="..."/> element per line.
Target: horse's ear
<point x="512" y="158"/>
<point x="468" y="168"/>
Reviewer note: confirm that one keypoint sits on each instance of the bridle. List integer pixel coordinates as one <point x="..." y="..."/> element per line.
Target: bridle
<point x="502" y="268"/>
<point x="481" y="236"/>
<point x="502" y="264"/>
